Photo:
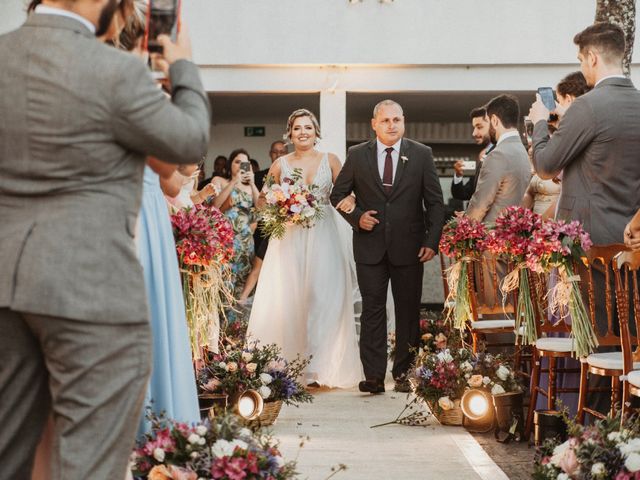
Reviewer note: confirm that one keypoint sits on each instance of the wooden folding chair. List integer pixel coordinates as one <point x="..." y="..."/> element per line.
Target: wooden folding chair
<point x="609" y="364"/>
<point x="626" y="277"/>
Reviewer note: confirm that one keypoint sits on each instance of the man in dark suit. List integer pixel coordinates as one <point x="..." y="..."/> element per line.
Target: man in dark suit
<point x="394" y="179"/>
<point x="480" y="134"/>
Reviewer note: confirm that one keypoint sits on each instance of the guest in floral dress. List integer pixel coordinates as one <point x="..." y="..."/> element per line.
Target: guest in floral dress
<point x="237" y="198"/>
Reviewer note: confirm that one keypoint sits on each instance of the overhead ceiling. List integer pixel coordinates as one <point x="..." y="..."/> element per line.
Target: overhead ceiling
<point x="418" y="106"/>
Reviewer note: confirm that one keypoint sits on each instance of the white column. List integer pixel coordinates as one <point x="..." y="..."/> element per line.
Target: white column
<point x="333" y="122"/>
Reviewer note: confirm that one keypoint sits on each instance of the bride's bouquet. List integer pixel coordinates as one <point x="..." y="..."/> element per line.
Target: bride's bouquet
<point x="290" y="202"/>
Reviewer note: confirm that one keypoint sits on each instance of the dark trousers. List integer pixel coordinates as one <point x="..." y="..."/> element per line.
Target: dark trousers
<point x="92" y="376"/>
<point x="406" y="286"/>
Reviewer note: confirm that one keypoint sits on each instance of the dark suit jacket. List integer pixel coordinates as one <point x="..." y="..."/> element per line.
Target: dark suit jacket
<point x="464" y="191"/>
<point x="260" y="178"/>
<point x="404" y="227"/>
<point x="597" y="147"/>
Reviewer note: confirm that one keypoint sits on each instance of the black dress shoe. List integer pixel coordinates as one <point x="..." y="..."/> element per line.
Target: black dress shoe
<point x="371" y="386"/>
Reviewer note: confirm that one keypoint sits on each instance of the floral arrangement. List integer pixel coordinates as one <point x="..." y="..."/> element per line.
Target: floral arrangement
<point x="557" y="244"/>
<point x="600" y="451"/>
<point x="493" y="372"/>
<point x="509" y="239"/>
<point x="290" y="202"/>
<point x="462" y="239"/>
<point x="234" y="370"/>
<point x="441" y="378"/>
<point x="436" y="333"/>
<point x="204" y="243"/>
<point x="222" y="450"/>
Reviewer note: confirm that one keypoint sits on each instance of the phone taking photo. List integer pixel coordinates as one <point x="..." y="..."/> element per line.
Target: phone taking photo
<point x="548" y="97"/>
<point x="163" y="18"/>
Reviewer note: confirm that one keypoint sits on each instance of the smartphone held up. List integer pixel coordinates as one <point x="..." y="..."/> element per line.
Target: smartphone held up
<point x="163" y="18"/>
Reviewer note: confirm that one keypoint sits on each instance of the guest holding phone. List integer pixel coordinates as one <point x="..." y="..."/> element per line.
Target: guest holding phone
<point x="238" y="195"/>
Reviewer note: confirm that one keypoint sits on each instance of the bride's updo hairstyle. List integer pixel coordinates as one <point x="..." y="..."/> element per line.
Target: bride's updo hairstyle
<point x="302" y="112"/>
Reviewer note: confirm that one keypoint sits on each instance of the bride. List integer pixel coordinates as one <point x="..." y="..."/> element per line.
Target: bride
<point x="304" y="299"/>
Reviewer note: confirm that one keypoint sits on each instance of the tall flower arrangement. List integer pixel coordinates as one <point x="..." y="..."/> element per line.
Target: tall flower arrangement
<point x="462" y="240"/>
<point x="204" y="243"/>
<point x="509" y="239"/>
<point x="290" y="202"/>
<point x="557" y="244"/>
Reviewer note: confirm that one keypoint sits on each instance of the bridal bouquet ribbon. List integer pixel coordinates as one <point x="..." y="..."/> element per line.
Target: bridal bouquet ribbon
<point x="462" y="239"/>
<point x="290" y="202"/>
<point x="204" y="243"/>
<point x="509" y="239"/>
<point x="558" y="244"/>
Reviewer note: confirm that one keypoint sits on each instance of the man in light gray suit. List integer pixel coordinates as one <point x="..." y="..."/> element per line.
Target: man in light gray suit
<point x="77" y="120"/>
<point x="597" y="147"/>
<point x="506" y="171"/>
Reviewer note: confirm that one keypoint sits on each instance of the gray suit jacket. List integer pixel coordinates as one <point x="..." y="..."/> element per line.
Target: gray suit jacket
<point x="76" y="120"/>
<point x="597" y="149"/>
<point x="503" y="179"/>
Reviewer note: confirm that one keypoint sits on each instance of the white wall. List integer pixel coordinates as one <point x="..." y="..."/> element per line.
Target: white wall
<point x="408" y="32"/>
<point x="227" y="137"/>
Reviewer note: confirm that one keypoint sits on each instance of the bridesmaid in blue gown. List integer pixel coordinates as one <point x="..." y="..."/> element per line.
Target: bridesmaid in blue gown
<point x="172" y="387"/>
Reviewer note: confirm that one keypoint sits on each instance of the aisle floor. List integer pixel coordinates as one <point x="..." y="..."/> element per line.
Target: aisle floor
<point x="338" y="426"/>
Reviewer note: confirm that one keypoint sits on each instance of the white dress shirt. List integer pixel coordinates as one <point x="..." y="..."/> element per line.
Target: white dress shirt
<point x="46" y="10"/>
<point x="382" y="157"/>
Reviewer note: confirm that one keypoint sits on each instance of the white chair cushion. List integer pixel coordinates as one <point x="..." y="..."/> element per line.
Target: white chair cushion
<point x="610" y="360"/>
<point x="487" y="324"/>
<point x="634" y="378"/>
<point x="555" y="344"/>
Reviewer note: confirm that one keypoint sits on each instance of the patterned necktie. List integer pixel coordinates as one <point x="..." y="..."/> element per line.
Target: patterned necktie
<point x="387" y="176"/>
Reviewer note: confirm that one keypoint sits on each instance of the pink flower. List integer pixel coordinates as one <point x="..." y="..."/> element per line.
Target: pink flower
<point x="163" y="440"/>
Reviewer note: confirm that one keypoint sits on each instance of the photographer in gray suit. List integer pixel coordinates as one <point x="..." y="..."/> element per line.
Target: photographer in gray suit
<point x="80" y="117"/>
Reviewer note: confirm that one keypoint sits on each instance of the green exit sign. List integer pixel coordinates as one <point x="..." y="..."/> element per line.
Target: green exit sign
<point x="254" y="131"/>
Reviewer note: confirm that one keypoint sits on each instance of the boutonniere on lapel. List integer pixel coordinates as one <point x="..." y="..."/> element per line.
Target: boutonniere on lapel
<point x="404" y="159"/>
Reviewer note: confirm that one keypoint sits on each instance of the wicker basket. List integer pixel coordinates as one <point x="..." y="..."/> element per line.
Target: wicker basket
<point x="268" y="416"/>
<point x="448" y="417"/>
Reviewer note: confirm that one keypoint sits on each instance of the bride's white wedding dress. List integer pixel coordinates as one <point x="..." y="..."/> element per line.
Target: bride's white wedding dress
<point x="304" y="298"/>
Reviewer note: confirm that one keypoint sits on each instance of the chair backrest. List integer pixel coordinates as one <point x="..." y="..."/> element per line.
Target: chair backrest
<point x="600" y="262"/>
<point x="626" y="269"/>
<point x="487" y="300"/>
<point x="540" y="285"/>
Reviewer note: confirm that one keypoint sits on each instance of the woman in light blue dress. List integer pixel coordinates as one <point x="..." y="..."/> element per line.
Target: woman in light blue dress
<point x="172" y="387"/>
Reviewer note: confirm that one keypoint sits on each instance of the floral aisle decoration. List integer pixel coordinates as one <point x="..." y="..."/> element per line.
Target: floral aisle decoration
<point x="436" y="333"/>
<point x="600" y="451"/>
<point x="290" y="202"/>
<point x="509" y="240"/>
<point x="220" y="450"/>
<point x="440" y="378"/>
<point x="558" y="244"/>
<point x="204" y="243"/>
<point x="462" y="240"/>
<point x="494" y="373"/>
<point x="261" y="368"/>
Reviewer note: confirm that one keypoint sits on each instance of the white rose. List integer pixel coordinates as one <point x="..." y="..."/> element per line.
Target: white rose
<point x="558" y="453"/>
<point x="486" y="380"/>
<point x="223" y="366"/>
<point x="252" y="367"/>
<point x="632" y="462"/>
<point x="222" y="448"/>
<point x="265" y="392"/>
<point x="193" y="438"/>
<point x="158" y="454"/>
<point x="240" y="444"/>
<point x="598" y="469"/>
<point x="445" y="403"/>
<point x="202" y="441"/>
<point x="614" y="436"/>
<point x="497" y="389"/>
<point x="445" y="356"/>
<point x="503" y="372"/>
<point x="265" y="378"/>
<point x="466" y="367"/>
<point x="232" y="366"/>
<point x="563" y="476"/>
<point x="201" y="430"/>
<point x="247" y="356"/>
<point x="245" y="433"/>
<point x="631" y="446"/>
